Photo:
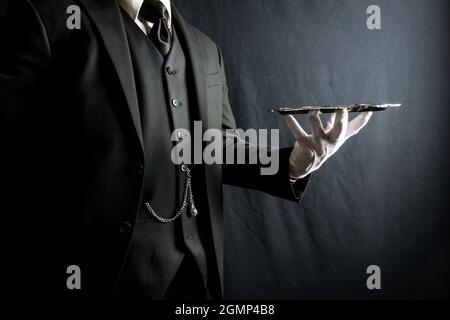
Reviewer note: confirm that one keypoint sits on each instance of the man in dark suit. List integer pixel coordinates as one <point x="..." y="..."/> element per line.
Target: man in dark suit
<point x="87" y="116"/>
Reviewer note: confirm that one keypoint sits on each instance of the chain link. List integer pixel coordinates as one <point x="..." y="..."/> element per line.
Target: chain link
<point x="188" y="199"/>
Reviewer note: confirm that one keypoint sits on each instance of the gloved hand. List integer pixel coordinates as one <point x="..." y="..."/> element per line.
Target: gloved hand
<point x="311" y="151"/>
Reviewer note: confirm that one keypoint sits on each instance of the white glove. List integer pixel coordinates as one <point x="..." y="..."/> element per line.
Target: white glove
<point x="311" y="151"/>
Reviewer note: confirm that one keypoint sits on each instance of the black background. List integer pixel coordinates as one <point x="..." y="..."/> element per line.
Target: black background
<point x="383" y="199"/>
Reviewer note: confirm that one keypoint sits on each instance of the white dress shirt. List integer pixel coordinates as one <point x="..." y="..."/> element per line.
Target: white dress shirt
<point x="132" y="7"/>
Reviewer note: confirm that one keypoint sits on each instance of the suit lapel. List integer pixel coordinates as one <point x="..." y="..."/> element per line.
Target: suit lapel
<point x="197" y="59"/>
<point x="106" y="16"/>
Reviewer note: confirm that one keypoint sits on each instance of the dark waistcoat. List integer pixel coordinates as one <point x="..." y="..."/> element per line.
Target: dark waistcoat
<point x="157" y="249"/>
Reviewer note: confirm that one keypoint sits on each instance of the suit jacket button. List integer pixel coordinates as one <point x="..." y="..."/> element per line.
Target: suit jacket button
<point x="125" y="227"/>
<point x="175" y="103"/>
<point x="137" y="169"/>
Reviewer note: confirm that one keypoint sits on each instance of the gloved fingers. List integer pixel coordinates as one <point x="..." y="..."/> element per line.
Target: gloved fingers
<point x="339" y="129"/>
<point x="316" y="124"/>
<point x="302" y="161"/>
<point x="296" y="129"/>
<point x="330" y="122"/>
<point x="358" y="123"/>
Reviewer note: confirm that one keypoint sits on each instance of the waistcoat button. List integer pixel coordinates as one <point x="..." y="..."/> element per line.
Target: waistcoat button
<point x="125" y="227"/>
<point x="171" y="71"/>
<point x="137" y="169"/>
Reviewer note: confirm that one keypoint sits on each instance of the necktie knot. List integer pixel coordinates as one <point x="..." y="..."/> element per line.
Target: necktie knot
<point x="153" y="11"/>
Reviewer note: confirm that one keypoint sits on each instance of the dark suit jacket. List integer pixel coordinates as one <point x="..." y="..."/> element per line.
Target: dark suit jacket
<point x="71" y="145"/>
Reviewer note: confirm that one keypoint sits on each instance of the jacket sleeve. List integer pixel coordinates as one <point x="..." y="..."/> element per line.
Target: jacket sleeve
<point x="249" y="175"/>
<point x="24" y="55"/>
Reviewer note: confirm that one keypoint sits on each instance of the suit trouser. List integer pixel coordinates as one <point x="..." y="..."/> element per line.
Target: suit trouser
<point x="187" y="283"/>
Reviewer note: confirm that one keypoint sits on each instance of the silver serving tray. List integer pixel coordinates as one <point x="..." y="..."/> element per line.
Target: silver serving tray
<point x="359" y="107"/>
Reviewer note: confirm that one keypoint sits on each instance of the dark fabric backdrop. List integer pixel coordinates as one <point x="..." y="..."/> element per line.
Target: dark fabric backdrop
<point x="384" y="198"/>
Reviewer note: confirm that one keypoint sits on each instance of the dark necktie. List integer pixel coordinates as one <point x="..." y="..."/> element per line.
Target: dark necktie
<point x="156" y="13"/>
